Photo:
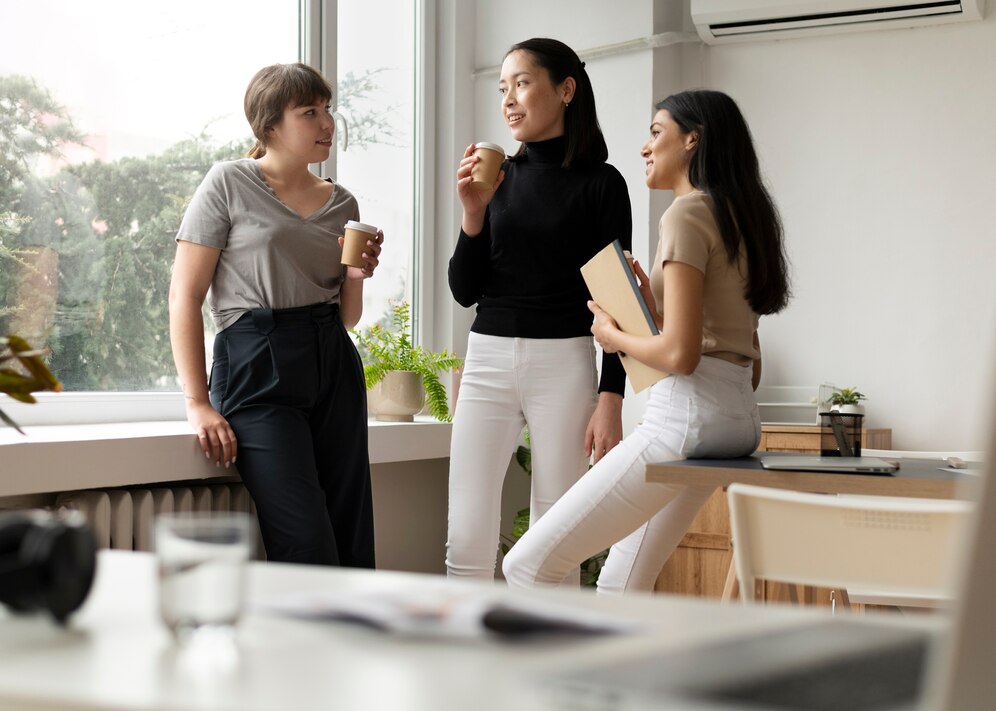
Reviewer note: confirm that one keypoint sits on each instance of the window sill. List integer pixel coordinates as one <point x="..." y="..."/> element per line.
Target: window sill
<point x="72" y="457"/>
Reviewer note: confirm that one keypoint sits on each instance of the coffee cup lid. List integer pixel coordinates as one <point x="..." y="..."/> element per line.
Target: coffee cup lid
<point x="490" y="146"/>
<point x="353" y="224"/>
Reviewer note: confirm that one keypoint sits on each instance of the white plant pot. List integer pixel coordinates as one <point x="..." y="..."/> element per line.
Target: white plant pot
<point x="397" y="397"/>
<point x="848" y="409"/>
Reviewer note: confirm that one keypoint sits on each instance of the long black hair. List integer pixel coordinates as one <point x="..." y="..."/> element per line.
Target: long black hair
<point x="585" y="142"/>
<point x="724" y="165"/>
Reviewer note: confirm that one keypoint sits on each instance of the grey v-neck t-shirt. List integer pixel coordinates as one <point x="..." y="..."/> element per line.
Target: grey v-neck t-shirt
<point x="271" y="257"/>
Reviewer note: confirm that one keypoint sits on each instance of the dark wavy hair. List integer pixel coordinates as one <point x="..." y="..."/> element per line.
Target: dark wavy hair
<point x="275" y="88"/>
<point x="724" y="165"/>
<point x="585" y="142"/>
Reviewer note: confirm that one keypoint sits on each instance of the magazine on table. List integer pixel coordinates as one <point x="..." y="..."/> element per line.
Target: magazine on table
<point x="455" y="613"/>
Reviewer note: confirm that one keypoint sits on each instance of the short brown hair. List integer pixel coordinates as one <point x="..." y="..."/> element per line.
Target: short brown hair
<point x="278" y="87"/>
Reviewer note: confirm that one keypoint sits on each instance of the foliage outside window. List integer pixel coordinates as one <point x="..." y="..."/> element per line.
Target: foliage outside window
<point x="87" y="236"/>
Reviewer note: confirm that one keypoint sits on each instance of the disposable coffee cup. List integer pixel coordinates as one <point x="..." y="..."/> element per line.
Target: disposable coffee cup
<point x="485" y="171"/>
<point x="354" y="243"/>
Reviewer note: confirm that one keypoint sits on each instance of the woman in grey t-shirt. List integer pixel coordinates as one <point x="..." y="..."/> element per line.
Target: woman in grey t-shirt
<point x="261" y="241"/>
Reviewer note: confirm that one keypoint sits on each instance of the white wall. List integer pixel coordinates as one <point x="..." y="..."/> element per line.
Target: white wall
<point x="880" y="150"/>
<point x="410" y="510"/>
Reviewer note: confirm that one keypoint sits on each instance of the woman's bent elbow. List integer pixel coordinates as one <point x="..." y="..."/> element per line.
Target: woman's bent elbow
<point x="686" y="363"/>
<point x="178" y="299"/>
<point x="466" y="300"/>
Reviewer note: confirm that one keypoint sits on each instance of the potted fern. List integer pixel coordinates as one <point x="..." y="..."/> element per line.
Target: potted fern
<point x="31" y="376"/>
<point x="847" y="401"/>
<point x="402" y="377"/>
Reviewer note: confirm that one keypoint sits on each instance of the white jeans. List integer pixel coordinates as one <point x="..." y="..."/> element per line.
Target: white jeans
<point x="711" y="413"/>
<point x="549" y="384"/>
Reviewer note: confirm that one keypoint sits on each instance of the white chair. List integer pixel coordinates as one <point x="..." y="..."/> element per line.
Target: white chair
<point x="879" y="597"/>
<point x="893" y="545"/>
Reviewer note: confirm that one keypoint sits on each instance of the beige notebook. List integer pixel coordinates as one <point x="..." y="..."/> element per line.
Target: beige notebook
<point x="613" y="287"/>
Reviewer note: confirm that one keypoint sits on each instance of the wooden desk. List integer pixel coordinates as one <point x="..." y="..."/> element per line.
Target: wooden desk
<point x="915" y="478"/>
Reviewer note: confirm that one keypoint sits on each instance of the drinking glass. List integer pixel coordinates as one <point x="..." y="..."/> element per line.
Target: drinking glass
<point x="202" y="559"/>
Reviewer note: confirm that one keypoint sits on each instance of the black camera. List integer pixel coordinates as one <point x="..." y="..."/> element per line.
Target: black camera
<point x="47" y="561"/>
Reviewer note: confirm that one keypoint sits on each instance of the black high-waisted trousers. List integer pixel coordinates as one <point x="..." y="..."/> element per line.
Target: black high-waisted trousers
<point x="290" y="383"/>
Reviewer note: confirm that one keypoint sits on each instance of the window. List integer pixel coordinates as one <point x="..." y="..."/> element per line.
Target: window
<point x="108" y="126"/>
<point x="376" y="65"/>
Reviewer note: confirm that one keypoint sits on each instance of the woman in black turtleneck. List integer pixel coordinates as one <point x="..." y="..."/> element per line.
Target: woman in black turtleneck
<point x="530" y="355"/>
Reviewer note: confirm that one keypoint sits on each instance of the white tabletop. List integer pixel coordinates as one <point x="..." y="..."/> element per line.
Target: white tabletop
<point x="116" y="655"/>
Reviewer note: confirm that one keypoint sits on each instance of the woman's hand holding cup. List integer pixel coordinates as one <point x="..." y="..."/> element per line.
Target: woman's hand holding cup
<point x="481" y="163"/>
<point x="362" y="255"/>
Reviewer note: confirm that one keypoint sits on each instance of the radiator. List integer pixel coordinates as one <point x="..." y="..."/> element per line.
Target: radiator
<point x="122" y="518"/>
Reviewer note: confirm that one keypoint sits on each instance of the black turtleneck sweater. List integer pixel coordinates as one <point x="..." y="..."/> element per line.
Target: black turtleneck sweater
<point x="543" y="224"/>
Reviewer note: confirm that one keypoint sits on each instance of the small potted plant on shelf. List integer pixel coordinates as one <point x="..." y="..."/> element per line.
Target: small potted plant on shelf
<point x="31" y="375"/>
<point x="402" y="377"/>
<point x="846" y="401"/>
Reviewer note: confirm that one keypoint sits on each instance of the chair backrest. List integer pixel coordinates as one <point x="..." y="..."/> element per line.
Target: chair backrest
<point x="908" y="454"/>
<point x="900" y="545"/>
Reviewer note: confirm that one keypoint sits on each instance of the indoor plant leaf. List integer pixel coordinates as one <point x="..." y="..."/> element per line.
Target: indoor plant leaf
<point x="392" y="349"/>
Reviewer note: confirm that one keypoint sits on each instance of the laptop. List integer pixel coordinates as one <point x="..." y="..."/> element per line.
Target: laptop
<point x="842" y="465"/>
<point x="851" y="664"/>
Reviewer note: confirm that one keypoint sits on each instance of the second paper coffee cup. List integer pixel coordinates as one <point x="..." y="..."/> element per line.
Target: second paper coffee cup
<point x="485" y="171"/>
<point x="354" y="242"/>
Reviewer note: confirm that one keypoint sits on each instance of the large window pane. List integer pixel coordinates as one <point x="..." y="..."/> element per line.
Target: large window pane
<point x="376" y="69"/>
<point x="111" y="111"/>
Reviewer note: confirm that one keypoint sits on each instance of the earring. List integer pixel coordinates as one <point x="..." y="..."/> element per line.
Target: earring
<point x="566" y="104"/>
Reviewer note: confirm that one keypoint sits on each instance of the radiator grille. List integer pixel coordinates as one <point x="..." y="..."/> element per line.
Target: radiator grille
<point x="122" y="518"/>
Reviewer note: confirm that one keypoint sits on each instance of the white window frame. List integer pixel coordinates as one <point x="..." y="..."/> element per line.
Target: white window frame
<point x="318" y="23"/>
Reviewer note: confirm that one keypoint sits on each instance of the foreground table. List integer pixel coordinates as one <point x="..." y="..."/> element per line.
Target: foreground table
<point x="116" y="655"/>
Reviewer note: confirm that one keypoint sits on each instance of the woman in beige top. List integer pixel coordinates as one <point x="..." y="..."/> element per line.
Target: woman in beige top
<point x="719" y="266"/>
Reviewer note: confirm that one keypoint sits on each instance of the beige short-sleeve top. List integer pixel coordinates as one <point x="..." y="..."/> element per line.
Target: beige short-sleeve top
<point x="689" y="234"/>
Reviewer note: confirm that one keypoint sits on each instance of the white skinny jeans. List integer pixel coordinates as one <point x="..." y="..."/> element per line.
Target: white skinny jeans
<point x="547" y="383"/>
<point x="711" y="413"/>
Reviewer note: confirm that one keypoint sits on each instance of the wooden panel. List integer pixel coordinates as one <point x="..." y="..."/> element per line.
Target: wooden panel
<point x="876" y="439"/>
<point x="786" y="442"/>
<point x="806" y="438"/>
<point x="695" y="571"/>
<point x="699" y="564"/>
<point x="712" y="541"/>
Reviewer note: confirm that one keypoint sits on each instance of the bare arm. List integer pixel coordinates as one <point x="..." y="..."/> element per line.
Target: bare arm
<point x="351" y="302"/>
<point x="193" y="270"/>
<point x="643" y="281"/>
<point x="678" y="347"/>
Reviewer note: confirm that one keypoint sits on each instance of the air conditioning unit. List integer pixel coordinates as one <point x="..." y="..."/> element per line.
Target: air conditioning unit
<point x="721" y="21"/>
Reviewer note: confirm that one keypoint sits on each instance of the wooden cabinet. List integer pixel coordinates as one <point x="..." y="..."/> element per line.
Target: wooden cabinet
<point x="805" y="439"/>
<point x="700" y="563"/>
